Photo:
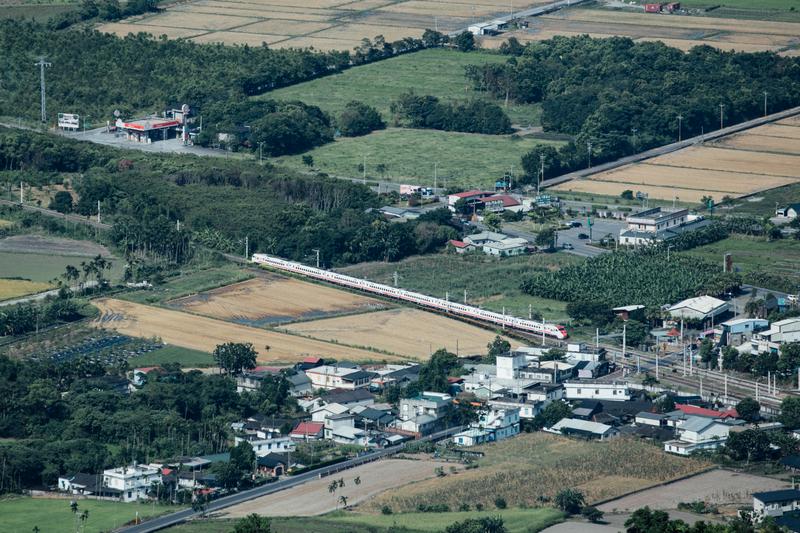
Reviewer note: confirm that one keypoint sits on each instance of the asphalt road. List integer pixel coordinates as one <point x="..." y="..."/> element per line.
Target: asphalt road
<point x="179" y="517"/>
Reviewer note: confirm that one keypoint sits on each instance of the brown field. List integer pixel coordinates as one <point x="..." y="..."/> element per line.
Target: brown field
<point x="717" y="487"/>
<point x="313" y="498"/>
<point x="744" y="163"/>
<point x="323" y="24"/>
<point x="204" y="334"/>
<point x="270" y="299"/>
<point x="762" y="143"/>
<point x="532" y="465"/>
<point x="411" y="332"/>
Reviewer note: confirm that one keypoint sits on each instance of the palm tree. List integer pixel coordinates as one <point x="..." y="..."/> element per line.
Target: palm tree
<point x="343" y="501"/>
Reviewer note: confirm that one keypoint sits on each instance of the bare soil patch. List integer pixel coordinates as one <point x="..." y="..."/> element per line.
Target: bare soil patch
<point x="273" y="299"/>
<point x="410" y="332"/>
<point x="313" y="498"/>
<point x="717" y="487"/>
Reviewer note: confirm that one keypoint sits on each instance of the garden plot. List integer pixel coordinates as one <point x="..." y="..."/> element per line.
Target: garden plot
<point x="272" y="299"/>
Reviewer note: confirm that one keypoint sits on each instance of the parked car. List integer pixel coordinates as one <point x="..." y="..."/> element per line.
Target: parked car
<point x="575" y="224"/>
<point x="567" y="246"/>
<point x="583" y="236"/>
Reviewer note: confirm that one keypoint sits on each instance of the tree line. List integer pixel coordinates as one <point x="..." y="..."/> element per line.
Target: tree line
<point x="94" y="74"/>
<point x="470" y="116"/>
<point x="617" y="97"/>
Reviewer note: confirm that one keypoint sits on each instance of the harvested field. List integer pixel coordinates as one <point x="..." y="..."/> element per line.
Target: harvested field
<point x="38" y="244"/>
<point x="273" y="299"/>
<point x="754" y="160"/>
<point x="762" y="143"/>
<point x="683" y="32"/>
<point x="313" y="498"/>
<point x="14" y="288"/>
<point x="533" y="465"/>
<point x="204" y="334"/>
<point x="717" y="487"/>
<point x="322" y="24"/>
<point x="410" y="332"/>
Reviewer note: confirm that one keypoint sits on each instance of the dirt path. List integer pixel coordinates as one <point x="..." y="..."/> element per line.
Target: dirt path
<point x="313" y="498"/>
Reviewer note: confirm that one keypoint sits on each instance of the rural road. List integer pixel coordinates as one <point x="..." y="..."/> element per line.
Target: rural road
<point x="179" y="517"/>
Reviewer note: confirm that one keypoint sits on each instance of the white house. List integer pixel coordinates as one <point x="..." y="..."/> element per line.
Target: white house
<point x="492" y="425"/>
<point x="597" y="390"/>
<point x="335" y="377"/>
<point x="319" y="414"/>
<point x="780" y="332"/>
<point x="506" y="248"/>
<point x="584" y="429"/>
<point x="423" y="413"/>
<point x="656" y="225"/>
<point x="649" y="419"/>
<point x="698" y="433"/>
<point x="775" y="502"/>
<point x="790" y="211"/>
<point x="699" y="308"/>
<point x="133" y="481"/>
<point x="264" y="444"/>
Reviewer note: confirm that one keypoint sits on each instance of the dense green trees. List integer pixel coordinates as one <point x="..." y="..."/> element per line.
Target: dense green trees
<point x="599" y="90"/>
<point x="235" y="357"/>
<point x="62" y="202"/>
<point x="471" y="116"/>
<point x="749" y="409"/>
<point x="358" y="118"/>
<point x="433" y="374"/>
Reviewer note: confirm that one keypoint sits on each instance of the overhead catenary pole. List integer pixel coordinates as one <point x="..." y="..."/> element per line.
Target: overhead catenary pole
<point x="42" y="64"/>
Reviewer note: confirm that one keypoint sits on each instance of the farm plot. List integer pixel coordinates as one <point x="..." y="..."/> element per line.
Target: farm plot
<point x="272" y="299"/>
<point x="14" y="288"/>
<point x="313" y="498"/>
<point x="533" y="466"/>
<point x="755" y="160"/>
<point x="204" y="334"/>
<point x="681" y="32"/>
<point x="323" y="24"/>
<point x="717" y="487"/>
<point x="410" y="332"/>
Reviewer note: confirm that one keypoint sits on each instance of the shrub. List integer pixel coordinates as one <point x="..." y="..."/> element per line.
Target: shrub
<point x="359" y="119"/>
<point x="500" y="503"/>
<point x="386" y="510"/>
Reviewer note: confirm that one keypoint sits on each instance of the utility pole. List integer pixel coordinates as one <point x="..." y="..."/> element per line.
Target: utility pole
<point x="589" y="153"/>
<point x="364" y="169"/>
<point x="634" y="130"/>
<point x="465" y="296"/>
<point x="21" y="192"/>
<point x="669" y="247"/>
<point x="394" y="276"/>
<point x="680" y="128"/>
<point x="765" y="103"/>
<point x="246" y="246"/>
<point x="316" y="250"/>
<point x="721" y="107"/>
<point x="624" y="339"/>
<point x="435" y="176"/>
<point x="98" y="211"/>
<point x="261" y="153"/>
<point x="538" y="183"/>
<point x="543" y="323"/>
<point x="530" y="311"/>
<point x="42" y="64"/>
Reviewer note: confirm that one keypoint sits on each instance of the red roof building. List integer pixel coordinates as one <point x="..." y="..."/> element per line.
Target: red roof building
<point x="311" y="360"/>
<point x="702" y="411"/>
<point x="499" y="202"/>
<point x="307" y="431"/>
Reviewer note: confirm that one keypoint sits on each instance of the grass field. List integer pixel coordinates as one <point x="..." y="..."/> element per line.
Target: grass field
<point x="273" y="299"/>
<point x="437" y="72"/>
<point x="411" y="332"/>
<point x="190" y="282"/>
<point x="204" y="334"/>
<point x="781" y="258"/>
<point x="465" y="160"/>
<point x="44" y="268"/>
<point x="21" y="515"/>
<point x="535" y="465"/>
<point x="37" y="12"/>
<point x="763" y="204"/>
<point x="515" y="521"/>
<point x="489" y="282"/>
<point x="14" y="288"/>
<point x="174" y="354"/>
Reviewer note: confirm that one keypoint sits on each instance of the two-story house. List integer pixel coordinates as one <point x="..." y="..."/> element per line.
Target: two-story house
<point x="698" y="433"/>
<point x="133" y="482"/>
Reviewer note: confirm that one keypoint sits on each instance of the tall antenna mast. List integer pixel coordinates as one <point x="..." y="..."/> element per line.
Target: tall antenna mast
<point x="41" y="64"/>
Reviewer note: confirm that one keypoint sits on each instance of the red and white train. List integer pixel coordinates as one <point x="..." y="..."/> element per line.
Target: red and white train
<point x="531" y="326"/>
